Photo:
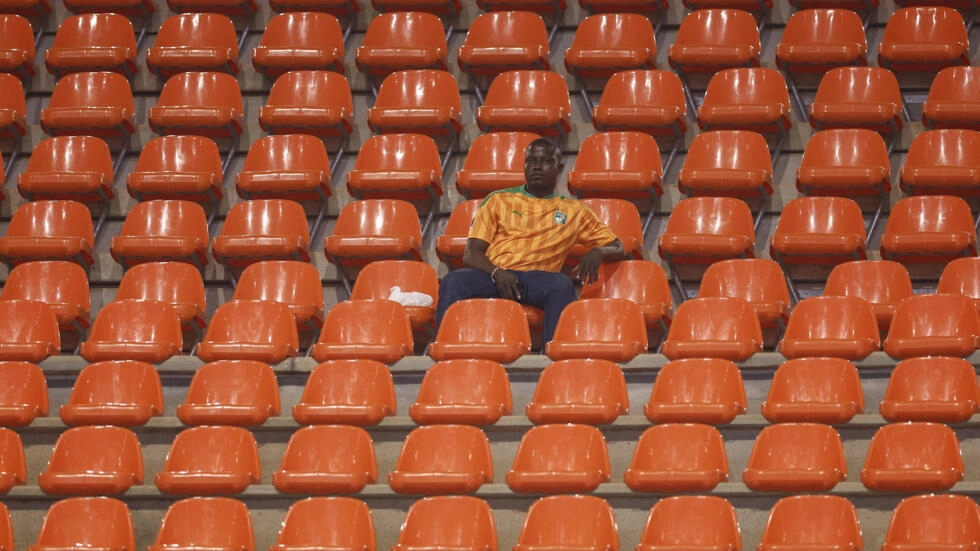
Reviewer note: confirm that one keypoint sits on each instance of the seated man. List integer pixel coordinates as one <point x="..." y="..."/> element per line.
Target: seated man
<point x="519" y="239"/>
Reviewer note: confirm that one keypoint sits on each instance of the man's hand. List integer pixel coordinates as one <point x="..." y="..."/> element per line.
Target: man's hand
<point x="507" y="285"/>
<point x="587" y="270"/>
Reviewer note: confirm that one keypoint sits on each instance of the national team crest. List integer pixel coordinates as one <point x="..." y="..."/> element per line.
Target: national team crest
<point x="560" y="217"/>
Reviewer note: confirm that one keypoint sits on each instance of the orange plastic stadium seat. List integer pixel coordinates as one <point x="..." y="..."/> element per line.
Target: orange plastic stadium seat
<point x="600" y="328"/>
<point x="465" y="333"/>
<point x="89" y="460"/>
<point x="260" y="330"/>
<point x="499" y="41"/>
<point x="443" y="459"/>
<point x="696" y="390"/>
<point x="451" y="244"/>
<point x="953" y="101"/>
<point x="814" y="390"/>
<point x="96" y="103"/>
<point x="926" y="229"/>
<point x="560" y="458"/>
<point x="941" y="389"/>
<point x="23" y="393"/>
<point x="60" y="284"/>
<point x="883" y="283"/>
<point x="447" y="522"/>
<point x="77" y="168"/>
<point x="710" y="40"/>
<point x="93" y="42"/>
<point x="210" y="460"/>
<point x="194" y="42"/>
<point x="141" y="330"/>
<point x="13" y="107"/>
<point x="293" y="283"/>
<point x="757" y="280"/>
<point x="17" y="49"/>
<point x="913" y="458"/>
<point x="401" y="40"/>
<point x="942" y="162"/>
<point x="327" y="459"/>
<point x="691" y="522"/>
<point x="373" y="329"/>
<point x="924" y="38"/>
<point x="13" y="464"/>
<point x="341" y="523"/>
<point x="527" y="100"/>
<point x="116" y="392"/>
<point x="718" y="327"/>
<point x="306" y="40"/>
<point x="568" y="522"/>
<point x="176" y="283"/>
<point x="553" y="9"/>
<point x="86" y="523"/>
<point x="796" y="457"/>
<point x="201" y="103"/>
<point x="495" y="161"/>
<point x="858" y="97"/>
<point x="231" y="392"/>
<point x="588" y="391"/>
<point x="216" y="523"/>
<point x="753" y="99"/>
<point x="802" y="522"/>
<point x="178" y="167"/>
<point x="381" y="278"/>
<point x="425" y="101"/>
<point x="960" y="277"/>
<point x="162" y="231"/>
<point x="933" y="325"/>
<point x="678" y="457"/>
<point x="933" y="522"/>
<point x="640" y="281"/>
<point x="28" y="331"/>
<point x="836" y="326"/>
<point x="262" y="229"/>
<point x="348" y="392"/>
<point x="286" y="166"/>
<point x="471" y="392"/>
<point x="315" y="102"/>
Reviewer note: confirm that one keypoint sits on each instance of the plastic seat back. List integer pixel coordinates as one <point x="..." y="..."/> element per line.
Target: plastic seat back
<point x="883" y="283"/>
<point x="924" y="38"/>
<point x="327" y="459"/>
<point x="23" y="393"/>
<point x="933" y="325"/>
<point x="397" y="166"/>
<point x="375" y="329"/>
<point x="808" y="521"/>
<point x="260" y="330"/>
<point x="568" y="521"/>
<point x="953" y="101"/>
<point x="77" y="168"/>
<point x="93" y="42"/>
<point x="231" y="392"/>
<point x="425" y="101"/>
<point x="262" y="229"/>
<point x="845" y="162"/>
<point x="464" y="332"/>
<point x="568" y="458"/>
<point x="719" y="327"/>
<point x="960" y="277"/>
<point x="837" y="326"/>
<point x="643" y="100"/>
<point x="116" y="392"/>
<point x="374" y="229"/>
<point x="162" y="230"/>
<point x="399" y="40"/>
<point x="142" y="330"/>
<point x="315" y="102"/>
<point x="285" y="166"/>
<point x="178" y="167"/>
<point x="210" y="460"/>
<point x="942" y="162"/>
<point x="91" y="103"/>
<point x="102" y="460"/>
<point x="504" y="40"/>
<point x="328" y="522"/>
<point x="13" y="463"/>
<point x="677" y="457"/>
<point x="60" y="284"/>
<point x="16" y="45"/>
<point x="443" y="459"/>
<point x="758" y="280"/>
<point x="49" y="230"/>
<point x="86" y="522"/>
<point x="606" y="43"/>
<point x="746" y="172"/>
<point x="933" y="521"/>
<point x="702" y="230"/>
<point x="6" y="528"/>
<point x="13" y="107"/>
<point x="858" y="97"/>
<point x="200" y="103"/>
<point x="640" y="281"/>
<point x="755" y="99"/>
<point x="495" y="161"/>
<point x="817" y="40"/>
<point x="599" y="328"/>
<point x="819" y="230"/>
<point x="176" y="283"/>
<point x="290" y="282"/>
<point x="471" y="392"/>
<point x="929" y="229"/>
<point x="691" y="521"/>
<point x="588" y="391"/>
<point x="941" y="389"/>
<point x="194" y="42"/>
<point x="452" y="242"/>
<point x="796" y="457"/>
<point x="310" y="40"/>
<point x="349" y="392"/>
<point x="623" y="165"/>
<point x="696" y="390"/>
<point x="913" y="458"/>
<point x="218" y="523"/>
<point x="709" y="40"/>
<point x="28" y="331"/>
<point x="814" y="390"/>
<point x="526" y="100"/>
<point x="460" y="522"/>
<point x="379" y="279"/>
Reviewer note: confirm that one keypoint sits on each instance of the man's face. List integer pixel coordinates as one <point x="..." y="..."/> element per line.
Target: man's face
<point x="541" y="170"/>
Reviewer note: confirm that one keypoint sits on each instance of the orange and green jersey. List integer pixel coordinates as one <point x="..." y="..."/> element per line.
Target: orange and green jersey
<point x="531" y="233"/>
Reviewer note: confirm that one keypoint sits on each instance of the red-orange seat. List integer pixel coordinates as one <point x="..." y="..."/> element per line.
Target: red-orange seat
<point x="470" y="392"/>
<point x="60" y="284"/>
<point x="942" y="162"/>
<point x="599" y="328"/>
<point x="347" y="392"/>
<point x="210" y="460"/>
<point x="162" y="231"/>
<point x="115" y="392"/>
<point x="327" y="459"/>
<point x="315" y="102"/>
<point x="933" y="522"/>
<point x="86" y="523"/>
<point x="309" y="40"/>
<point x="913" y="458"/>
<point x="836" y="326"/>
<point x="677" y="457"/>
<point x="926" y="229"/>
<point x="802" y="522"/>
<point x="443" y="459"/>
<point x="93" y="42"/>
<point x="495" y="161"/>
<point x="425" y="101"/>
<point x="398" y="41"/>
<point x="953" y="101"/>
<point x="96" y="103"/>
<point x="16" y="46"/>
<point x="13" y="464"/>
<point x="451" y="244"/>
<point x="447" y="522"/>
<point x="375" y="329"/>
<point x="293" y="283"/>
<point x="924" y="38"/>
<point x="814" y="390"/>
<point x="640" y="281"/>
<point x="176" y="283"/>
<point x="589" y="391"/>
<point x="142" y="330"/>
<point x="883" y="283"/>
<point x="93" y="460"/>
<point x="178" y="167"/>
<point x="696" y="522"/>
<point x="553" y="9"/>
<point x="201" y="103"/>
<point x="13" y="109"/>
<point x="960" y="277"/>
<point x="262" y="229"/>
<point x="76" y="168"/>
<point x="499" y="41"/>
<point x="28" y="331"/>
<point x="696" y="390"/>
<point x="941" y="389"/>
<point x="858" y="97"/>
<point x="230" y="392"/>
<point x="553" y="459"/>
<point x="326" y="522"/>
<point x="527" y="100"/>
<point x="754" y="99"/>
<point x="194" y="42"/>
<point x="757" y="280"/>
<point x="718" y="327"/>
<point x="933" y="325"/>
<point x="23" y="393"/>
<point x="568" y="522"/>
<point x="217" y="523"/>
<point x="379" y="279"/>
<point x="796" y="457"/>
<point x="250" y="330"/>
<point x="464" y="332"/>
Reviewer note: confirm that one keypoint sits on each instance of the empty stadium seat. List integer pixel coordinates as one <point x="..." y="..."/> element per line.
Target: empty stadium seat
<point x="16" y="46"/>
<point x="588" y="391"/>
<point x="342" y="9"/>
<point x="309" y="40"/>
<point x="293" y="283"/>
<point x="162" y="231"/>
<point x="261" y="229"/>
<point x="561" y="458"/>
<point x="218" y="523"/>
<point x="941" y="389"/>
<point x="640" y="281"/>
<point x="373" y="329"/>
<point x="194" y="42"/>
<point x="495" y="161"/>
<point x="835" y="326"/>
<point x="757" y="280"/>
<point x="6" y="528"/>
<point x="13" y="464"/>
<point x="796" y="457"/>
<point x="952" y="101"/>
<point x="176" y="283"/>
<point x="814" y="390"/>
<point x="858" y="97"/>
<point x="141" y="330"/>
<point x="696" y="390"/>
<point x="379" y="279"/>
<point x="459" y="522"/>
<point x="754" y="99"/>
<point x="210" y="460"/>
<point x="471" y="392"/>
<point x="718" y="327"/>
<point x="86" y="523"/>
<point x="933" y="325"/>
<point x="599" y="328"/>
<point x="933" y="521"/>
<point x="28" y="331"/>
<point x="464" y="332"/>
<point x="187" y="168"/>
<point x="23" y="393"/>
<point x="883" y="283"/>
<point x="912" y="458"/>
<point x="924" y="38"/>
<point x="451" y="244"/>
<point x="93" y="42"/>
<point x="677" y="457"/>
<point x="327" y="459"/>
<point x="812" y="521"/>
<point x="442" y="459"/>
<point x="691" y="521"/>
<point x="499" y="41"/>
<point x="927" y="229"/>
<point x="566" y="521"/>
<point x="200" y="103"/>
<point x="527" y="100"/>
<point x="315" y="102"/>
<point x="231" y="392"/>
<point x="329" y="522"/>
<point x="347" y="392"/>
<point x="401" y="40"/>
<point x="60" y="284"/>
<point x="250" y="330"/>
<point x="445" y="9"/>
<point x="95" y="103"/>
<point x="116" y="392"/>
<point x="13" y="109"/>
<point x="942" y="162"/>
<point x="93" y="460"/>
<point x="960" y="277"/>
